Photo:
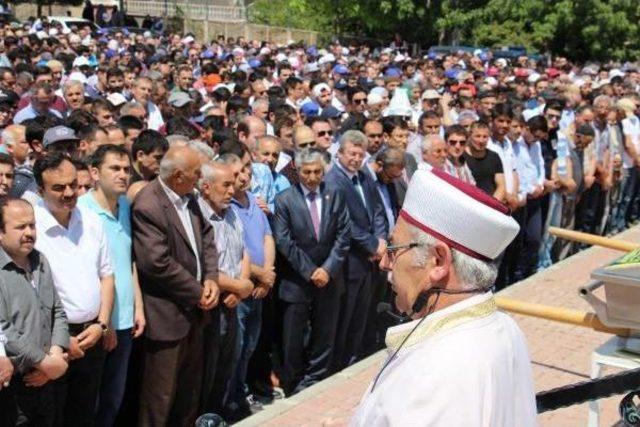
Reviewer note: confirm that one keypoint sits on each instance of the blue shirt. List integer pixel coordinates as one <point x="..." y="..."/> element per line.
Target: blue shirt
<point x="255" y="225"/>
<point x="262" y="183"/>
<point x="118" y="231"/>
<point x="29" y="112"/>
<point x="280" y="183"/>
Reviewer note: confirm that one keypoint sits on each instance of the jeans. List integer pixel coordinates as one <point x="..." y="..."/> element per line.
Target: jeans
<point x="554" y="217"/>
<point x="114" y="378"/>
<point x="249" y="323"/>
<point x="628" y="184"/>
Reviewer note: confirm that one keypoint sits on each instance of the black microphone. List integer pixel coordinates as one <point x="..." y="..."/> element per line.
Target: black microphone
<point x="385" y="309"/>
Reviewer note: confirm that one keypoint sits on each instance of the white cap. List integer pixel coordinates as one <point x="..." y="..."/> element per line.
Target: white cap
<point x="319" y="88"/>
<point x="533" y="77"/>
<point x="374" y="99"/>
<point x="281" y="57"/>
<point x="42" y="35"/>
<point x="459" y="214"/>
<point x="53" y="32"/>
<point x="188" y="40"/>
<point x="116" y="99"/>
<point x="78" y="76"/>
<point x="80" y="61"/>
<point x="113" y="44"/>
<point x="329" y="57"/>
<point x="616" y="73"/>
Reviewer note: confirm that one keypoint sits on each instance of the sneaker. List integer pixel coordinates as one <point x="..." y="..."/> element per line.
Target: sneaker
<point x="254" y="404"/>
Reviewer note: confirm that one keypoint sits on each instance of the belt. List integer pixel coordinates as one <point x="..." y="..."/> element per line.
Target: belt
<point x="76" y="328"/>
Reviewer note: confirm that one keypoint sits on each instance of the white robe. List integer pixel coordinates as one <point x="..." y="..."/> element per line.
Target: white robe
<point x="466" y="365"/>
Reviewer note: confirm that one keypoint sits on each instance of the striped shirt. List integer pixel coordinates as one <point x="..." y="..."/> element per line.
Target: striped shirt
<point x="228" y="236"/>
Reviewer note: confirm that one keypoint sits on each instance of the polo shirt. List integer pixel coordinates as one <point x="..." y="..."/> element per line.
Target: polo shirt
<point x="79" y="258"/>
<point x="255" y="225"/>
<point x="118" y="231"/>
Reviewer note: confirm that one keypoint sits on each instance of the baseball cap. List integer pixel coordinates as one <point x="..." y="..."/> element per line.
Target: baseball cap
<point x="340" y="69"/>
<point x="58" y="134"/>
<point x="330" y="113"/>
<point x="310" y="109"/>
<point x="179" y="99"/>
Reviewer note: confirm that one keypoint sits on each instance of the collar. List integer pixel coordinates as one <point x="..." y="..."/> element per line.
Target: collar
<point x="49" y="221"/>
<point x="173" y="196"/>
<point x="208" y="212"/>
<point x="374" y="175"/>
<point x="5" y="259"/>
<point x="476" y="307"/>
<point x="306" y="191"/>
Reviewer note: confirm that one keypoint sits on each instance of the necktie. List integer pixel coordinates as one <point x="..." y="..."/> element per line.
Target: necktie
<point x="313" y="210"/>
<point x="356" y="183"/>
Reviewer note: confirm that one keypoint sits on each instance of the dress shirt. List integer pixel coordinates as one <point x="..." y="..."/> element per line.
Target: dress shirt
<point x="504" y="149"/>
<point x="79" y="258"/>
<point x="180" y="203"/>
<point x="31" y="317"/>
<point x="118" y="231"/>
<point x="529" y="172"/>
<point x="356" y="183"/>
<point x="262" y="183"/>
<point x="154" y="119"/>
<point x="29" y="112"/>
<point x="255" y="228"/>
<point x="305" y="192"/>
<point x="229" y="242"/>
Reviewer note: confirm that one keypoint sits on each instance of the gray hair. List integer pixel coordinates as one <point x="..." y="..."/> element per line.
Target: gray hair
<point x="177" y="140"/>
<point x="128" y="107"/>
<point x="472" y="273"/>
<point x="467" y="114"/>
<point x="202" y="148"/>
<point x="259" y="101"/>
<point x="168" y="165"/>
<point x="427" y="142"/>
<point x="228" y="159"/>
<point x="603" y="99"/>
<point x="391" y="157"/>
<point x="9" y="134"/>
<point x="306" y="156"/>
<point x="71" y="84"/>
<point x="354" y="137"/>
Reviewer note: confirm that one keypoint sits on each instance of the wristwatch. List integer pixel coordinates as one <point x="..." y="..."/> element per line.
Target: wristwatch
<point x="104" y="327"/>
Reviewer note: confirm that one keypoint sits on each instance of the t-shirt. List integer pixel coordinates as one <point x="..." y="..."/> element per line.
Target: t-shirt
<point x="630" y="128"/>
<point x="484" y="170"/>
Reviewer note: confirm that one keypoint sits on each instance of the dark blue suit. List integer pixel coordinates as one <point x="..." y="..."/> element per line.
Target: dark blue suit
<point x="368" y="225"/>
<point x="302" y="254"/>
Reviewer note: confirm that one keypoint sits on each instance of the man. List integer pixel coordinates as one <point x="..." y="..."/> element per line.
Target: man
<point x="40" y="104"/>
<point x="110" y="170"/>
<point x="147" y="152"/>
<point x="324" y="134"/>
<point x="386" y="171"/>
<point x="456" y="136"/>
<point x="367" y="243"/>
<point x="142" y="94"/>
<point x="33" y="323"/>
<point x="259" y="243"/>
<point x="74" y="242"/>
<point x="374" y="133"/>
<point x="15" y="140"/>
<point x="176" y="260"/>
<point x="91" y="137"/>
<point x="217" y="189"/>
<point x="311" y="279"/>
<point x="396" y="135"/>
<point x="267" y="151"/>
<point x="485" y="165"/>
<point x="6" y="175"/>
<point x="434" y="151"/>
<point x="499" y="143"/>
<point x="458" y="344"/>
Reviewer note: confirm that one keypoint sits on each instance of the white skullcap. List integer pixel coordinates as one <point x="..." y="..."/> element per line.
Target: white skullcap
<point x="319" y="88"/>
<point x="53" y="32"/>
<point x="533" y="77"/>
<point x="325" y="59"/>
<point x="265" y="51"/>
<point x="41" y="35"/>
<point x="116" y="99"/>
<point x="281" y="57"/>
<point x="380" y="91"/>
<point x="374" y="99"/>
<point x="113" y="45"/>
<point x="80" y="61"/>
<point x="74" y="38"/>
<point x="459" y="214"/>
<point x="616" y="73"/>
<point x="188" y="40"/>
<point x="78" y="76"/>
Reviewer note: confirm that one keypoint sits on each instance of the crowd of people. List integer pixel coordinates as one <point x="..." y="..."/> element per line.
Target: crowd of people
<point x="197" y="226"/>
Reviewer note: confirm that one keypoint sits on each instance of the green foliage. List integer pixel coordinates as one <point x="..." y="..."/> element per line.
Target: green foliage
<point x="579" y="29"/>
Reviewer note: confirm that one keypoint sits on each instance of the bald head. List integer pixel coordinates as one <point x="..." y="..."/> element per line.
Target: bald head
<point x="250" y="129"/>
<point x="180" y="169"/>
<point x="303" y="137"/>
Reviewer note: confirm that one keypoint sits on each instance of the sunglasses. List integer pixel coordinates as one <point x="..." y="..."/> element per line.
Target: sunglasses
<point x="374" y="135"/>
<point x="359" y="101"/>
<point x="457" y="141"/>
<point x="325" y="132"/>
<point x="308" y="144"/>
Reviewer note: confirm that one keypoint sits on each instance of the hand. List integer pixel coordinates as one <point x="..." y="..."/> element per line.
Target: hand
<point x="89" y="337"/>
<point x="246" y="288"/>
<point x="260" y="291"/>
<point x="263" y="206"/>
<point x="588" y="181"/>
<point x="53" y="366"/>
<point x="320" y="277"/>
<point x="210" y="295"/>
<point x="75" y="352"/>
<point x="6" y="371"/>
<point x="231" y="300"/>
<point x="267" y="276"/>
<point x="513" y="202"/>
<point x="538" y="191"/>
<point x="139" y="322"/>
<point x="110" y="340"/>
<point x="550" y="185"/>
<point x="35" y="378"/>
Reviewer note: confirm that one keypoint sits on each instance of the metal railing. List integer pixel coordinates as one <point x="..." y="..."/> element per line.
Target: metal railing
<point x="187" y="9"/>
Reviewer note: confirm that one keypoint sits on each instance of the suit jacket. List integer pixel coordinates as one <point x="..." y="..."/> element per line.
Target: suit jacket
<point x="166" y="263"/>
<point x="298" y="245"/>
<point x="368" y="223"/>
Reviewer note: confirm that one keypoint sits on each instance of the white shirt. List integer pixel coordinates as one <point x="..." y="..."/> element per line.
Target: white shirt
<point x="79" y="258"/>
<point x="505" y="151"/>
<point x="283" y="160"/>
<point x="464" y="366"/>
<point x="180" y="204"/>
<point x="630" y="128"/>
<point x="154" y="121"/>
<point x="318" y="200"/>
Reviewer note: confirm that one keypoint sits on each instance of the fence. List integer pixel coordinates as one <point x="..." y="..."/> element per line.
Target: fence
<point x="191" y="10"/>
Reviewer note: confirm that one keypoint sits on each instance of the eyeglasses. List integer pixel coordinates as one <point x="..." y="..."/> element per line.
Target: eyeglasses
<point x="457" y="141"/>
<point x="325" y="132"/>
<point x="307" y="144"/>
<point x="359" y="101"/>
<point x="393" y="251"/>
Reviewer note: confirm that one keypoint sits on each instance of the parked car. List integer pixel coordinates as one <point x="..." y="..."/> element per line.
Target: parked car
<point x="68" y="21"/>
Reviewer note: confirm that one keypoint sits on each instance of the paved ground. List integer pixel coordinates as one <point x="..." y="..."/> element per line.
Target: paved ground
<point x="561" y="354"/>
